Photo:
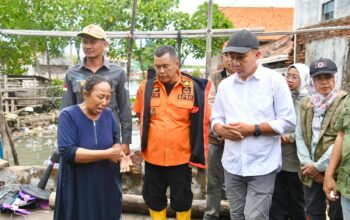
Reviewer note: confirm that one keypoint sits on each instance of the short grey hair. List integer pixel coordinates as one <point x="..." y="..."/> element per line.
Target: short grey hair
<point x="164" y="49"/>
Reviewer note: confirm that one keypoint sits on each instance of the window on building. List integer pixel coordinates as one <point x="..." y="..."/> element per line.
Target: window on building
<point x="328" y="10"/>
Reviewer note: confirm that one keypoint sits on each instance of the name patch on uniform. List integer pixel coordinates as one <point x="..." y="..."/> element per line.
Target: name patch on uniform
<point x="185" y="96"/>
<point x="156" y="92"/>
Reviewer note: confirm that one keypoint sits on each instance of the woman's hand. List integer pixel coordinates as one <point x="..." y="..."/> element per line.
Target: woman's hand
<point x="285" y="138"/>
<point x="115" y="153"/>
<point x="309" y="170"/>
<point x="125" y="163"/>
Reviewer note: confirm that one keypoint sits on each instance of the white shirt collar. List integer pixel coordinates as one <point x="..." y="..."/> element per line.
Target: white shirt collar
<point x="258" y="74"/>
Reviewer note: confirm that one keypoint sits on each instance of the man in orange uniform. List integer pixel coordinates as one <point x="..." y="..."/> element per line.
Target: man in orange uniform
<point x="172" y="110"/>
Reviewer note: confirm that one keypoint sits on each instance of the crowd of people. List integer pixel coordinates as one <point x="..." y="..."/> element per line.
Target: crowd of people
<point x="276" y="147"/>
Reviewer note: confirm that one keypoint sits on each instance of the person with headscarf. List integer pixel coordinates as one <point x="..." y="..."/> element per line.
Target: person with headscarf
<point x="288" y="196"/>
<point x="315" y="137"/>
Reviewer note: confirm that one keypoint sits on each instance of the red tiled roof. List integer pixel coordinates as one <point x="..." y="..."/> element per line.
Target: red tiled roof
<point x="269" y="18"/>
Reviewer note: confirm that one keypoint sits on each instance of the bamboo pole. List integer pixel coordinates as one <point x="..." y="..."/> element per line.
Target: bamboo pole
<point x="171" y="34"/>
<point x="131" y="40"/>
<point x="209" y="36"/>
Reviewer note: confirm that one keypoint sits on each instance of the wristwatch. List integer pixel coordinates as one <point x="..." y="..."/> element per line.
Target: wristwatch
<point x="257" y="131"/>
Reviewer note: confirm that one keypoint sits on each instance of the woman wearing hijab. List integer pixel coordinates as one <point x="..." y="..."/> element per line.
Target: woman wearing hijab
<point x="288" y="196"/>
<point x="315" y="137"/>
<point x="88" y="143"/>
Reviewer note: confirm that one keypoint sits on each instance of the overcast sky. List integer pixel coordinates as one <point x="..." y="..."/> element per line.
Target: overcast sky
<point x="191" y="5"/>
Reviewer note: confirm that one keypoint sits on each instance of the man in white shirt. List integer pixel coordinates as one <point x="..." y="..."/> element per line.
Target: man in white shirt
<point x="252" y="109"/>
<point x="215" y="172"/>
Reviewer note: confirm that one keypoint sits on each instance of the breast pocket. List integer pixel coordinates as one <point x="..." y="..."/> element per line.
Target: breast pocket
<point x="264" y="105"/>
<point x="77" y="86"/>
<point x="77" y="91"/>
<point x="346" y="118"/>
<point x="182" y="110"/>
<point x="113" y="99"/>
<point x="154" y="107"/>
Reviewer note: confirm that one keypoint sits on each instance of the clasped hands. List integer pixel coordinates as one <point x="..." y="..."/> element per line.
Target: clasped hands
<point x="234" y="131"/>
<point x="117" y="154"/>
<point x="310" y="170"/>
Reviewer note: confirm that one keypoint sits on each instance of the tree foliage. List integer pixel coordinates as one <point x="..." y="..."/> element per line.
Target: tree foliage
<point x="18" y="52"/>
<point x="199" y="21"/>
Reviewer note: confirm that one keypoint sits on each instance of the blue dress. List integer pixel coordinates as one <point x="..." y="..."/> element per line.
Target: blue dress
<point x="86" y="191"/>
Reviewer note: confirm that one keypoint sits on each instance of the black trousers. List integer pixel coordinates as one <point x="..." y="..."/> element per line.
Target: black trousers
<point x="156" y="181"/>
<point x="316" y="204"/>
<point x="288" y="197"/>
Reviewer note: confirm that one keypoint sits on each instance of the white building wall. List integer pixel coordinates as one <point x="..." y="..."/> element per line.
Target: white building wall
<point x="309" y="12"/>
<point x="325" y="49"/>
<point x="342" y="8"/>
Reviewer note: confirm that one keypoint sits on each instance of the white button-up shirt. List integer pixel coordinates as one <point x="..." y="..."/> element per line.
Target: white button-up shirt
<point x="263" y="97"/>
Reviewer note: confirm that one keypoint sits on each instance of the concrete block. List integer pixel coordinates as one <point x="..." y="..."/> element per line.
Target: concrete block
<point x="3" y="164"/>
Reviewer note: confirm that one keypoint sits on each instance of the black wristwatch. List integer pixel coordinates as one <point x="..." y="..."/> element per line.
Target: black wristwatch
<point x="257" y="131"/>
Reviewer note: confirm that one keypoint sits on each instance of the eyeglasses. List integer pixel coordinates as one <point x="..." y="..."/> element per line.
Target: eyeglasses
<point x="291" y="78"/>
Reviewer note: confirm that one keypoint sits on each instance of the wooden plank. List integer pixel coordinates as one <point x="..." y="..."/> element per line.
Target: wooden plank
<point x="13" y="106"/>
<point x="31" y="98"/>
<point x="26" y="89"/>
<point x="7" y="109"/>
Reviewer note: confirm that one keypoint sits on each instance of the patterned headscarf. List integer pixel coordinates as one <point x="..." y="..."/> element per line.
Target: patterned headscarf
<point x="321" y="103"/>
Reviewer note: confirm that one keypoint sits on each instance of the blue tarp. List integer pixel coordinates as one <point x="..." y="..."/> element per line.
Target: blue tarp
<point x="1" y="154"/>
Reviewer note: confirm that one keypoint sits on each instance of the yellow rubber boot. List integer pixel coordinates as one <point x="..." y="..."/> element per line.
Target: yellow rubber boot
<point x="158" y="215"/>
<point x="183" y="215"/>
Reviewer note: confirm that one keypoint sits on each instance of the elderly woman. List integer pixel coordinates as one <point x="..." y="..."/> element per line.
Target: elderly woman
<point x="89" y="148"/>
<point x="315" y="137"/>
<point x="288" y="196"/>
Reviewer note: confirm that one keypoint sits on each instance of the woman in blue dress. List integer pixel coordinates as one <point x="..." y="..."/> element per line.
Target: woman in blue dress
<point x="88" y="142"/>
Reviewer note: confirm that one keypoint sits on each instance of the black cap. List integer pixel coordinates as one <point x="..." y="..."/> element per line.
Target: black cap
<point x="322" y="66"/>
<point x="241" y="42"/>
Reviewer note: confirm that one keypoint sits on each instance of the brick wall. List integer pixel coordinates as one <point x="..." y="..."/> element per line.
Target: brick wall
<point x="304" y="39"/>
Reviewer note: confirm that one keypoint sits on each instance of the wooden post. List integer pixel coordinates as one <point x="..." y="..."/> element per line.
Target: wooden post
<point x="179" y="42"/>
<point x="3" y="129"/>
<point x="5" y="95"/>
<point x="131" y="40"/>
<point x="12" y="144"/>
<point x="49" y="70"/>
<point x="209" y="36"/>
<point x="13" y="106"/>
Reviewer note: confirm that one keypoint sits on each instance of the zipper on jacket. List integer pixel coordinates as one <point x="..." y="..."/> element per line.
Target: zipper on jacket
<point x="95" y="133"/>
